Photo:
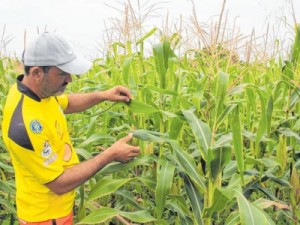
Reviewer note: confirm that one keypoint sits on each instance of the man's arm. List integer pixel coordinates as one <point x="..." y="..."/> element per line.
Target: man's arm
<point x="78" y="174"/>
<point x="81" y="102"/>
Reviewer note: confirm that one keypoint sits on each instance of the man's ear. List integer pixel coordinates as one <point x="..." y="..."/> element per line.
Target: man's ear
<point x="36" y="71"/>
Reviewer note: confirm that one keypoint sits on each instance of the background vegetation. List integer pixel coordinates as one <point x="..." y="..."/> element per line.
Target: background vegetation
<point x="218" y="132"/>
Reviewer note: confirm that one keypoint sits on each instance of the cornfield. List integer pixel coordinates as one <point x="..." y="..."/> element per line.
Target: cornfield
<point x="219" y="138"/>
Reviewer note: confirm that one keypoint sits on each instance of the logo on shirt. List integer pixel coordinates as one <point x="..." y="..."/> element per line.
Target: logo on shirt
<point x="53" y="158"/>
<point x="36" y="126"/>
<point x="47" y="150"/>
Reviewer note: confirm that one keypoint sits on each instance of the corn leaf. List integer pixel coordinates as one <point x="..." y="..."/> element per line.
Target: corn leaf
<point x="150" y="33"/>
<point x="250" y="214"/>
<point x="237" y="138"/>
<point x="175" y="127"/>
<point x="201" y="131"/>
<point x="220" y="200"/>
<point x="266" y="203"/>
<point x="96" y="139"/>
<point x="149" y="136"/>
<point x="91" y="127"/>
<point x="186" y="161"/>
<point x="7" y="168"/>
<point x="106" y="186"/>
<point x="7" y="205"/>
<point x="233" y="219"/>
<point x="222" y="84"/>
<point x="164" y="184"/>
<point x="162" y="52"/>
<point x="296" y="47"/>
<point x="127" y="73"/>
<point x="218" y="157"/>
<point x="140" y="107"/>
<point x="141" y="216"/>
<point x="269" y="115"/>
<point x="224" y="114"/>
<point x="262" y="126"/>
<point x="194" y="197"/>
<point x="116" y="166"/>
<point x="182" y="214"/>
<point x="99" y="216"/>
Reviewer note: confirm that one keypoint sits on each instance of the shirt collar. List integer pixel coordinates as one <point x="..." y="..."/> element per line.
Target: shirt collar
<point x="25" y="90"/>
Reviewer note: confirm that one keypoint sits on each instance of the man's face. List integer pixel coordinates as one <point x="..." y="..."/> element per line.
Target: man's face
<point x="54" y="82"/>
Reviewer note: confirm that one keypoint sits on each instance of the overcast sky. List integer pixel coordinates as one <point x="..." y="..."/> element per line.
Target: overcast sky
<point x="82" y="21"/>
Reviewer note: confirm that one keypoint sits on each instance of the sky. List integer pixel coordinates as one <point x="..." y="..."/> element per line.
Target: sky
<point x="84" y="22"/>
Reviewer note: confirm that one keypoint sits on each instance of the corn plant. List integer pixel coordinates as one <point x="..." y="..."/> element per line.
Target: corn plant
<point x="218" y="144"/>
<point x="7" y="183"/>
<point x="219" y="138"/>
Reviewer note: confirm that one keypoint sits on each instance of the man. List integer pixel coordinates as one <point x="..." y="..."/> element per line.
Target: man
<point x="47" y="169"/>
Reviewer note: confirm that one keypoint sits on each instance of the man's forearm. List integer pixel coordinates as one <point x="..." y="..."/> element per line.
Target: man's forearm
<point x="77" y="175"/>
<point x="81" y="102"/>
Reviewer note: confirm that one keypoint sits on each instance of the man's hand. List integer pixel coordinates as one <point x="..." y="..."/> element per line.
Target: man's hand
<point x="76" y="175"/>
<point x="118" y="94"/>
<point x="121" y="151"/>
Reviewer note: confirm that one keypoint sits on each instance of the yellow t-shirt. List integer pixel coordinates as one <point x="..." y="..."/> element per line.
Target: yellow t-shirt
<point x="36" y="135"/>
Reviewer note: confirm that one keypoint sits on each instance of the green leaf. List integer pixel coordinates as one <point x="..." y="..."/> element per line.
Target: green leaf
<point x="289" y="133"/>
<point x="295" y="98"/>
<point x="128" y="199"/>
<point x="139" y="107"/>
<point x="219" y="202"/>
<point x="201" y="131"/>
<point x="262" y="126"/>
<point x="237" y="139"/>
<point x="141" y="216"/>
<point x="296" y="47"/>
<point x="269" y="162"/>
<point x="162" y="52"/>
<point x="182" y="214"/>
<point x="84" y="153"/>
<point x="142" y="39"/>
<point x="187" y="162"/>
<point x="250" y="214"/>
<point x="195" y="198"/>
<point x="288" y="71"/>
<point x="106" y="186"/>
<point x="233" y="219"/>
<point x="6" y="188"/>
<point x="117" y="167"/>
<point x="7" y="205"/>
<point x="148" y="182"/>
<point x="91" y="127"/>
<point x="164" y="184"/>
<point x="219" y="157"/>
<point x="99" y="216"/>
<point x="175" y="127"/>
<point x="269" y="115"/>
<point x="97" y="139"/>
<point x="222" y="84"/>
<point x="148" y="136"/>
<point x="225" y="113"/>
<point x="296" y="127"/>
<point x="7" y="168"/>
<point x="127" y="77"/>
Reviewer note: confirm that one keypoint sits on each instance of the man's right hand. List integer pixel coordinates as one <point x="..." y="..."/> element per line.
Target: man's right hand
<point x="123" y="152"/>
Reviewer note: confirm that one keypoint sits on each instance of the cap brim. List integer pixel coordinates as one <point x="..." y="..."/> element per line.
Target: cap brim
<point x="77" y="66"/>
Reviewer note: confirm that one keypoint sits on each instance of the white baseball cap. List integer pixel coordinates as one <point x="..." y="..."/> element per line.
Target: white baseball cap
<point x="50" y="49"/>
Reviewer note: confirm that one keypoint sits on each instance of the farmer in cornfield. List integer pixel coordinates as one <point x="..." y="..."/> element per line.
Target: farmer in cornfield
<point x="47" y="168"/>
